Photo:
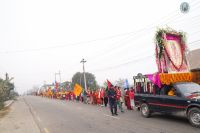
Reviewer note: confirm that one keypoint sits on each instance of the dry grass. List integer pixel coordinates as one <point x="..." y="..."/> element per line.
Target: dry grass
<point x="4" y="112"/>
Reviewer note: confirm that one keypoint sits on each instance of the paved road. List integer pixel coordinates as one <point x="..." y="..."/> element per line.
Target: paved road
<point x="56" y="116"/>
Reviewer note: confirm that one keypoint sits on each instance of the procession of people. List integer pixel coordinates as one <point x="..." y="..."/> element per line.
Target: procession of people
<point x="113" y="97"/>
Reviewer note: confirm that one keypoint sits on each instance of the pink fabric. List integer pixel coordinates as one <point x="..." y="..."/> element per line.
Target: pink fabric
<point x="172" y="37"/>
<point x="155" y="78"/>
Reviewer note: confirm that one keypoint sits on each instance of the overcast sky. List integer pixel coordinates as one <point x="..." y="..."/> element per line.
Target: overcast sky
<point x="116" y="37"/>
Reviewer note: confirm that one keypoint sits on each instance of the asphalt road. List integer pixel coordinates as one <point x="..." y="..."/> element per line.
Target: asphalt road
<point x="60" y="116"/>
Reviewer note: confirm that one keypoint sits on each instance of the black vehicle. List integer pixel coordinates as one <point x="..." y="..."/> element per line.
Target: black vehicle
<point x="186" y="98"/>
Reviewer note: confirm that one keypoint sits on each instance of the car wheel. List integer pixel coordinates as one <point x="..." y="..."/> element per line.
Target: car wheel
<point x="145" y="110"/>
<point x="194" y="116"/>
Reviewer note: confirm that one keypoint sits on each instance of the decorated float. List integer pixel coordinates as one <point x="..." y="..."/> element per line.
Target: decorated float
<point x="171" y="58"/>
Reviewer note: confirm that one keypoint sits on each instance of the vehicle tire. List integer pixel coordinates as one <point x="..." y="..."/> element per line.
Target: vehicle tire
<point x="144" y="108"/>
<point x="194" y="116"/>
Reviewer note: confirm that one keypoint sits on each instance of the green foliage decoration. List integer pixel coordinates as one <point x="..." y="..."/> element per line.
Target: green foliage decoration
<point x="159" y="40"/>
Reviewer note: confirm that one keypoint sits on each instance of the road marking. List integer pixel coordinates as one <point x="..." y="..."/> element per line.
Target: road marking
<point x="111" y="116"/>
<point x="46" y="130"/>
<point x="32" y="114"/>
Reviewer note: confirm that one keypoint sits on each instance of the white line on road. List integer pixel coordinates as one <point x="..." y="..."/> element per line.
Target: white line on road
<point x="46" y="130"/>
<point x="111" y="116"/>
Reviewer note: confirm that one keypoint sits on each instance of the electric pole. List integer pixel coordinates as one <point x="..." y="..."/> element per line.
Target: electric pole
<point x="80" y="79"/>
<point x="83" y="61"/>
<point x="59" y="76"/>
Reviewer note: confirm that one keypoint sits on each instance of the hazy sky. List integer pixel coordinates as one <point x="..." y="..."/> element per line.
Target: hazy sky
<point x="116" y="37"/>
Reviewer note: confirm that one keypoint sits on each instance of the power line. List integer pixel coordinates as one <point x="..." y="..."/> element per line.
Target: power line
<point x="181" y="19"/>
<point x="103" y="53"/>
<point x="196" y="4"/>
<point x="122" y="64"/>
<point x="65" y="45"/>
<point x="85" y="42"/>
<point x="147" y="51"/>
<point x="194" y="41"/>
<point x="107" y="51"/>
<point x="72" y="44"/>
<point x="112" y="49"/>
<point x="132" y="61"/>
<point x="118" y="46"/>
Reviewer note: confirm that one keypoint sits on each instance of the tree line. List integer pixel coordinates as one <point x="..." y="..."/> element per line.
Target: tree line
<point x="6" y="90"/>
<point x="91" y="82"/>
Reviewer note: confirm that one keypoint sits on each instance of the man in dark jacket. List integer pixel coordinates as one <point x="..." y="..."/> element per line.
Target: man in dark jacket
<point x="112" y="100"/>
<point x="106" y="97"/>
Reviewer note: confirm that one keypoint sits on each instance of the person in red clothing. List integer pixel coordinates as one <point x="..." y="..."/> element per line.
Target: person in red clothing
<point x="67" y="95"/>
<point x="98" y="97"/>
<point x="127" y="99"/>
<point x="88" y="96"/>
<point x="131" y="95"/>
<point x="91" y="97"/>
<point x="102" y="96"/>
<point x="118" y="98"/>
<point x="94" y="98"/>
<point x="73" y="96"/>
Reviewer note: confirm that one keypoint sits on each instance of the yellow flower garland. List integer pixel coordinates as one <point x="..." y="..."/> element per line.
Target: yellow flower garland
<point x="167" y="79"/>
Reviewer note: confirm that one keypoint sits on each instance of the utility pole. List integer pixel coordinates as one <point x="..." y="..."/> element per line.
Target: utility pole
<point x="83" y="61"/>
<point x="59" y="73"/>
<point x="80" y="79"/>
<point x="55" y="77"/>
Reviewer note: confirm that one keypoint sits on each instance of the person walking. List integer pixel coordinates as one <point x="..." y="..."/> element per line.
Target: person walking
<point x="131" y="95"/>
<point x="102" y="96"/>
<point x="118" y="99"/>
<point x="127" y="99"/>
<point x="106" y="97"/>
<point x="112" y="101"/>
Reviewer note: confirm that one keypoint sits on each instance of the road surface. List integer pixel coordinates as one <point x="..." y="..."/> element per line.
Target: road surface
<point x="60" y="116"/>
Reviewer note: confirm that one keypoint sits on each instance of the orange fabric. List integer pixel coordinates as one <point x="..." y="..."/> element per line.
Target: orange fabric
<point x="167" y="78"/>
<point x="77" y="89"/>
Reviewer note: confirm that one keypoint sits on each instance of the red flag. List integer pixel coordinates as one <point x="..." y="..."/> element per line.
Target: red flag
<point x="109" y="84"/>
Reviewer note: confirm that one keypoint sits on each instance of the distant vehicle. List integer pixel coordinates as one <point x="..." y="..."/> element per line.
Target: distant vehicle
<point x="186" y="99"/>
